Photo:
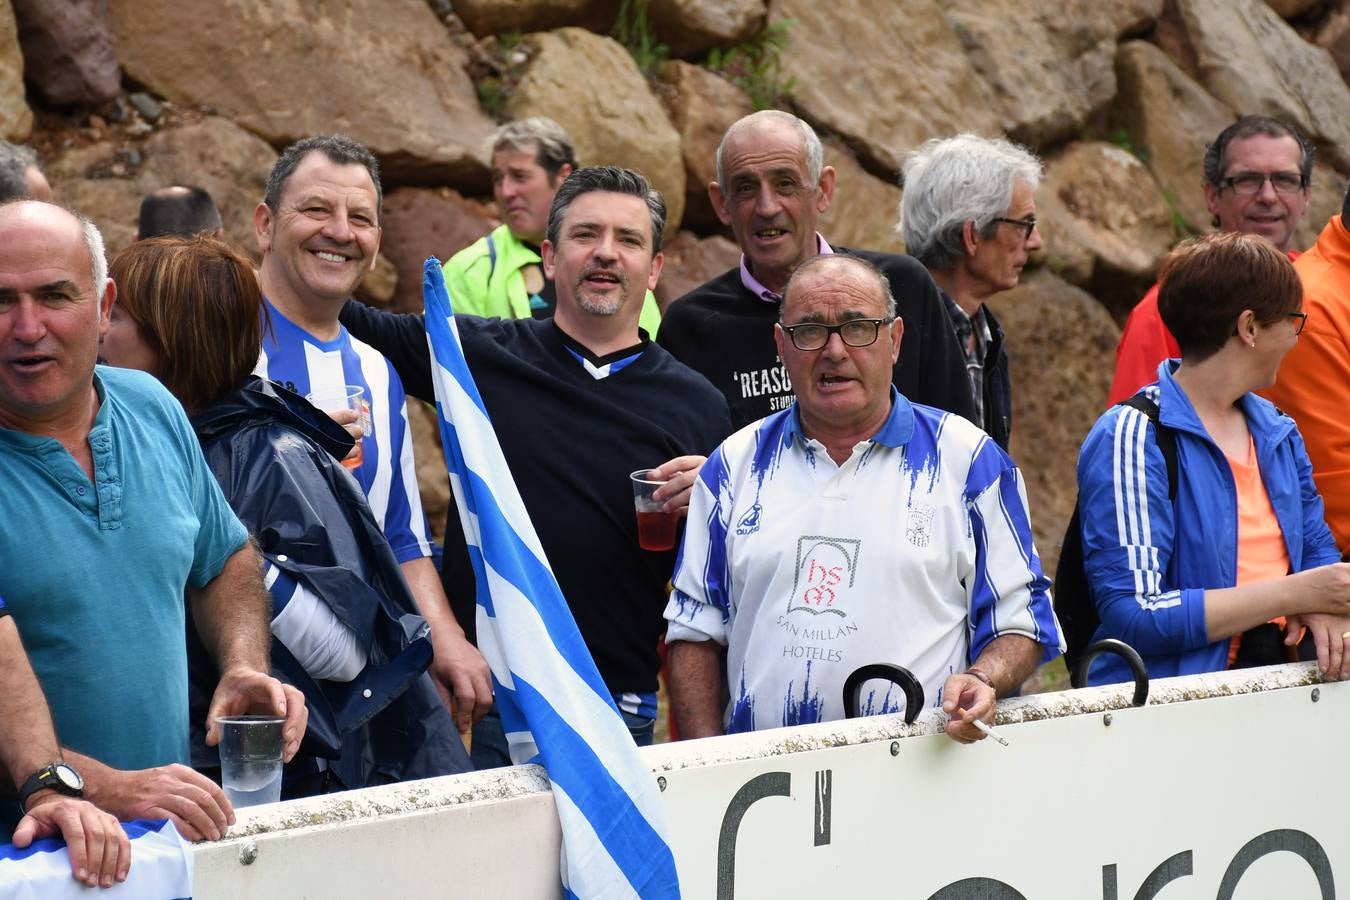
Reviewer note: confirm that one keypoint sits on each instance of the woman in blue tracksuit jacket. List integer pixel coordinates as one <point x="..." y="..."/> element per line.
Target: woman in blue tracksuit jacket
<point x="1163" y="572"/>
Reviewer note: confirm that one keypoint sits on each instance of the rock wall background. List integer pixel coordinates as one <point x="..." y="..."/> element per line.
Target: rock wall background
<point x="122" y="96"/>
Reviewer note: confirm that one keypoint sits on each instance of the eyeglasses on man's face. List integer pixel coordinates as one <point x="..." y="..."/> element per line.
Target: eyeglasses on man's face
<point x="854" y="333"/>
<point x="1028" y="225"/>
<point x="1249" y="184"/>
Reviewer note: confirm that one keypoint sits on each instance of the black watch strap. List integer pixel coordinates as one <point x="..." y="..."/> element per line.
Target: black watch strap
<point x="47" y="777"/>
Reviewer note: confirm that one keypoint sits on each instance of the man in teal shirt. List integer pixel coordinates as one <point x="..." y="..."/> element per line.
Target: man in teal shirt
<point x="501" y="274"/>
<point x="112" y="516"/>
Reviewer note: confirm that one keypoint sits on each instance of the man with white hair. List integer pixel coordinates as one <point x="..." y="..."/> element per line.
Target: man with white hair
<point x="772" y="186"/>
<point x="969" y="215"/>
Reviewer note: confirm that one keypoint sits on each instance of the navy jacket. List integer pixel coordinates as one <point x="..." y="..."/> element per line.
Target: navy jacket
<point x="276" y="458"/>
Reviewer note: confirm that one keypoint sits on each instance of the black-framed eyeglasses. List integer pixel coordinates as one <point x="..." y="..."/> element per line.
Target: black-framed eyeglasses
<point x="1028" y="224"/>
<point x="854" y="333"/>
<point x="1249" y="184"/>
<point x="1300" y="319"/>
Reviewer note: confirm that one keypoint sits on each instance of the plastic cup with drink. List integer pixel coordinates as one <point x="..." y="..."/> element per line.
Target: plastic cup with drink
<point x="250" y="758"/>
<point x="656" y="527"/>
<point x="347" y="396"/>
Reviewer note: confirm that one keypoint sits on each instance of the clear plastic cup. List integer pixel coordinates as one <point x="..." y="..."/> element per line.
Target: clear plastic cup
<point x="250" y="758"/>
<point x="353" y="397"/>
<point x="656" y="527"/>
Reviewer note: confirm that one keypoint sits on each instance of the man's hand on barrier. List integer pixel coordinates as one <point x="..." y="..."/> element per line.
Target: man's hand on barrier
<point x="194" y="803"/>
<point x="100" y="853"/>
<point x="966" y="698"/>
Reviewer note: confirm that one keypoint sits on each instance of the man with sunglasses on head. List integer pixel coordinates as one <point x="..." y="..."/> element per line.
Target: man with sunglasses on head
<point x="852" y="528"/>
<point x="969" y="215"/>
<point x="1257" y="175"/>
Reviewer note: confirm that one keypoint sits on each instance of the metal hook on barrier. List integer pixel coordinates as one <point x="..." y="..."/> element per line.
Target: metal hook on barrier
<point x="896" y="675"/>
<point x="1125" y="652"/>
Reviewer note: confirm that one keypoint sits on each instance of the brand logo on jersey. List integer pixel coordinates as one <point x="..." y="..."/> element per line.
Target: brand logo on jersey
<point x="919" y="528"/>
<point x="826" y="568"/>
<point x="749" y="522"/>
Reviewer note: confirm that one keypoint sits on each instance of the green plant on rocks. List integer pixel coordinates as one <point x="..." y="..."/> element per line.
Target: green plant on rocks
<point x="756" y="65"/>
<point x="634" y="30"/>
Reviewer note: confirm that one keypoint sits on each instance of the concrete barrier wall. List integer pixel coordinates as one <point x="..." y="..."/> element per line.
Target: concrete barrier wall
<point x="1226" y="786"/>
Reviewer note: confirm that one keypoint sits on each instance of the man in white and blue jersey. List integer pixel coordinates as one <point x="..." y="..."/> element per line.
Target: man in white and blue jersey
<point x="318" y="229"/>
<point x="853" y="528"/>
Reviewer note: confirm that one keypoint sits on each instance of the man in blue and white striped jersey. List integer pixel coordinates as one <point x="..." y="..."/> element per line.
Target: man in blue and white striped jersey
<point x="852" y="528"/>
<point x="318" y="229"/>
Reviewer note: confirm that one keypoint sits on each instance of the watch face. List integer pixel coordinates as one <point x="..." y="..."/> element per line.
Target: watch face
<point x="68" y="777"/>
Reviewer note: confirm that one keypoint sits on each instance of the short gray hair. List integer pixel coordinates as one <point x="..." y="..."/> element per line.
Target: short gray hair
<point x="949" y="181"/>
<point x="15" y="161"/>
<point x="98" y="252"/>
<point x="540" y="135"/>
<point x="862" y="267"/>
<point x="813" y="152"/>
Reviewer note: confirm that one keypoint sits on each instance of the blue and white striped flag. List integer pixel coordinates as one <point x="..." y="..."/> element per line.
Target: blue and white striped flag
<point x="161" y="868"/>
<point x="554" y="707"/>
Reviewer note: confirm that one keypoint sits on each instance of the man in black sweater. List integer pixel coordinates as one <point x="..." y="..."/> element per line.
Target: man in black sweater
<point x="771" y="188"/>
<point x="578" y="402"/>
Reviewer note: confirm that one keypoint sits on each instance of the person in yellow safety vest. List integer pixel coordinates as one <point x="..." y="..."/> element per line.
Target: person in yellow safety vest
<point x="501" y="274"/>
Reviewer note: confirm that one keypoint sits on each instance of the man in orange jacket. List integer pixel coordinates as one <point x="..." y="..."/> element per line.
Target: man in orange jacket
<point x="1314" y="380"/>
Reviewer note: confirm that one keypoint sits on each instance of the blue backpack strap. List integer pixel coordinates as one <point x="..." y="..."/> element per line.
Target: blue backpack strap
<point x="492" y="255"/>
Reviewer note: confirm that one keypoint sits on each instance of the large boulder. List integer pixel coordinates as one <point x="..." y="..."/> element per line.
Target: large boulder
<point x="691" y="27"/>
<point x="67" y="49"/>
<point x="1105" y="223"/>
<point x="485" y="17"/>
<point x="690" y="261"/>
<point x="1168" y="119"/>
<point x="865" y="208"/>
<point x="1061" y="356"/>
<point x="421" y="222"/>
<point x="1288" y="9"/>
<point x="1334" y="36"/>
<point x="384" y="71"/>
<point x="1049" y="62"/>
<point x="590" y="85"/>
<point x="106" y="181"/>
<point x="16" y="119"/>
<point x="702" y="106"/>
<point x="884" y="76"/>
<point x="1251" y="59"/>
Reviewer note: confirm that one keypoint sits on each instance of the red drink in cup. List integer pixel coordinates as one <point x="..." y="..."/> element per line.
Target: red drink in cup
<point x="656" y="527"/>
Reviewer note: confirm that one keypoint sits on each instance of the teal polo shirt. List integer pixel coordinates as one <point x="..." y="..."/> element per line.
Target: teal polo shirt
<point x="93" y="572"/>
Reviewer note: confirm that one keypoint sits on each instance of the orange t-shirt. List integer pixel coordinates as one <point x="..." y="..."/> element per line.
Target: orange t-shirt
<point x="1261" y="551"/>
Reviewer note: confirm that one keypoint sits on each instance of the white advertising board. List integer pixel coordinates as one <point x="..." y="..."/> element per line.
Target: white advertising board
<point x="1229" y="788"/>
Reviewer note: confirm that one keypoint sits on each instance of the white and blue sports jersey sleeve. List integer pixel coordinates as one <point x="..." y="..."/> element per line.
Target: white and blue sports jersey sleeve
<point x="699" y="608"/>
<point x="1008" y="591"/>
<point x="306" y="365"/>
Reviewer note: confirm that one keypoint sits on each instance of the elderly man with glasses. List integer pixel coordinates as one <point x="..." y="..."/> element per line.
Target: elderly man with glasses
<point x="852" y="528"/>
<point x="1257" y="175"/>
<point x="969" y="215"/>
